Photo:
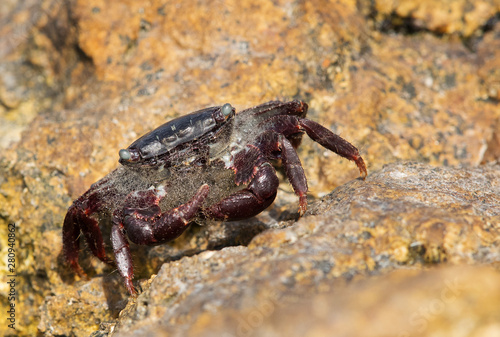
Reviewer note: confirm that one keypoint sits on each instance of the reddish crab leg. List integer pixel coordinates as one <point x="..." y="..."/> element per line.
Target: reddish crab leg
<point x="78" y="218"/>
<point x="294" y="171"/>
<point x="149" y="226"/>
<point x="262" y="189"/>
<point x="275" y="145"/>
<point x="333" y="142"/>
<point x="71" y="243"/>
<point x="289" y="125"/>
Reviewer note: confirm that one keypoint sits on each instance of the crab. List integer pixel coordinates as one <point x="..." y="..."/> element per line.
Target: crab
<point x="209" y="164"/>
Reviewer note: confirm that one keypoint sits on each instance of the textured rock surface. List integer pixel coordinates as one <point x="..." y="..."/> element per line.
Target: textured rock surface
<point x="444" y="301"/>
<point x="407" y="80"/>
<point x="463" y="17"/>
<point x="406" y="216"/>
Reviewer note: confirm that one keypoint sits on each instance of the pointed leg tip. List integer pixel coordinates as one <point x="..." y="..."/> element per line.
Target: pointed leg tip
<point x="130" y="288"/>
<point x="302" y="211"/>
<point x="302" y="205"/>
<point x="78" y="270"/>
<point x="361" y="166"/>
<point x="363" y="174"/>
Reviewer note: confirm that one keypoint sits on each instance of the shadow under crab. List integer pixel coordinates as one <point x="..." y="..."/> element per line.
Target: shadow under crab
<point x="210" y="164"/>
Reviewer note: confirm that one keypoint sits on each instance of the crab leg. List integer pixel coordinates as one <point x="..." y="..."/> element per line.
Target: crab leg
<point x="333" y="142"/>
<point x="150" y="226"/>
<point x="275" y="145"/>
<point x="262" y="189"/>
<point x="123" y="258"/>
<point x="71" y="243"/>
<point x="296" y="108"/>
<point x="78" y="219"/>
<point x="294" y="171"/>
<point x="289" y="125"/>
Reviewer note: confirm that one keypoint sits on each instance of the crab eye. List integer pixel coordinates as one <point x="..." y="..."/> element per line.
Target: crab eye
<point x="226" y="109"/>
<point x="124" y="154"/>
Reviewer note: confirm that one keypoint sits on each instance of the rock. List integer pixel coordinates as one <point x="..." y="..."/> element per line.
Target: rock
<point x="407" y="216"/>
<point x="403" y="303"/>
<point x="463" y="17"/>
<point x="81" y="80"/>
<point x="84" y="307"/>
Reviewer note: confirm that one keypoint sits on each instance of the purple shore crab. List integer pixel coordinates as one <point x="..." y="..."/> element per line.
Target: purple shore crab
<point x="210" y="164"/>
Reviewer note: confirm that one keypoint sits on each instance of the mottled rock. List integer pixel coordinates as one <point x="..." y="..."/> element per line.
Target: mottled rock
<point x="81" y="311"/>
<point x="445" y="301"/>
<point x="405" y="216"/>
<point x="464" y="17"/>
